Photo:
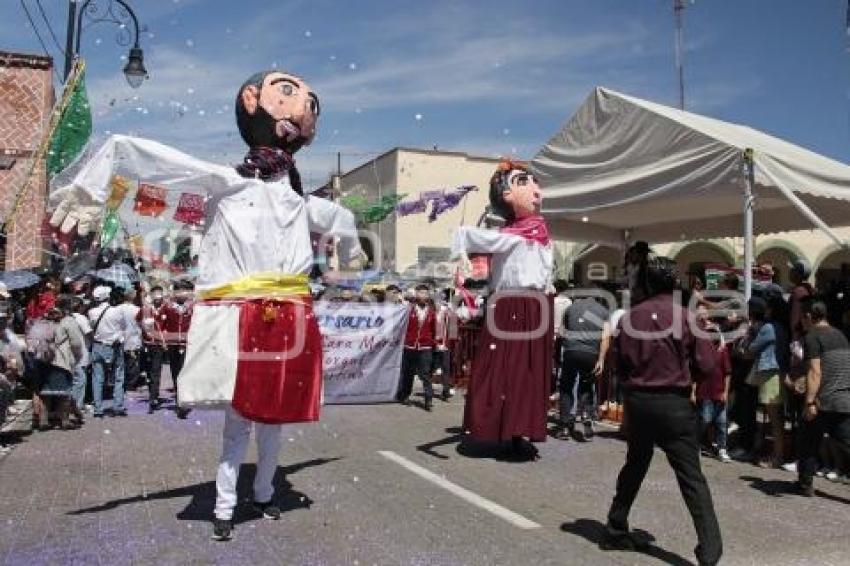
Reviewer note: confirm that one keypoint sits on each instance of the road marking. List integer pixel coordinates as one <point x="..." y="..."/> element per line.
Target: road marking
<point x="468" y="496"/>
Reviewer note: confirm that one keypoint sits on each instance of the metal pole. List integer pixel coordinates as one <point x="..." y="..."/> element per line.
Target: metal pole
<point x="69" y="39"/>
<point x="749" y="182"/>
<point x="678" y="7"/>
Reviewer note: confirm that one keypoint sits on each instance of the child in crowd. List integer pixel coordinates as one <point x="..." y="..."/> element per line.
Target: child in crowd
<point x="712" y="394"/>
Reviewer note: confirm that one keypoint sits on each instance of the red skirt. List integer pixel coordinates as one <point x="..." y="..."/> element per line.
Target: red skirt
<point x="508" y="393"/>
<point x="279" y="369"/>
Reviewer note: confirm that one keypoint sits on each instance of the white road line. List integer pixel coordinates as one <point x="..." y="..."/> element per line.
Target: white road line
<point x="468" y="496"/>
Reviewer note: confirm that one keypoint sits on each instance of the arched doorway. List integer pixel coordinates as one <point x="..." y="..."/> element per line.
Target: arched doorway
<point x="692" y="258"/>
<point x="833" y="265"/>
<point x="601" y="264"/>
<point x="781" y="255"/>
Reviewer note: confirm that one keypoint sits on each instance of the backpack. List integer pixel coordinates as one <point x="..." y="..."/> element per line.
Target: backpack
<point x="41" y="340"/>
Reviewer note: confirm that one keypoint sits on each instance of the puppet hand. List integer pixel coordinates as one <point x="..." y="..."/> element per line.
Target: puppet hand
<point x="465" y="265"/>
<point x="78" y="209"/>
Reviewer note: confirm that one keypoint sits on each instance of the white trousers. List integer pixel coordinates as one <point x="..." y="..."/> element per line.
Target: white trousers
<point x="237" y="434"/>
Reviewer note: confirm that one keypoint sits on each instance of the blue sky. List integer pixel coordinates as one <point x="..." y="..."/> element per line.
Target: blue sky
<point x="488" y="77"/>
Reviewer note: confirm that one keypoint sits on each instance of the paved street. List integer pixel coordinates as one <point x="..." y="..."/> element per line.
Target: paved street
<point x="140" y="490"/>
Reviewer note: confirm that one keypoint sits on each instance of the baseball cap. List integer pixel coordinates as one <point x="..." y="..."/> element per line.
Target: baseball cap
<point x="101" y="293"/>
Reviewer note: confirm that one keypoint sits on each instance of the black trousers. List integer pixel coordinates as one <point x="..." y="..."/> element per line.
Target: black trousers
<point x="744" y="413"/>
<point x="577" y="366"/>
<point x="837" y="425"/>
<point x="132" y="369"/>
<point x="669" y="421"/>
<point x="413" y="363"/>
<point x="176" y="357"/>
<point x="155" y="355"/>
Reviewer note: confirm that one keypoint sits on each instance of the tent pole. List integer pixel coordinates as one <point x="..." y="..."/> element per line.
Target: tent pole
<point x="749" y="170"/>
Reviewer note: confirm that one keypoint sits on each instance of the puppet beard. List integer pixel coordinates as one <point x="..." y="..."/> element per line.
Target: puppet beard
<point x="263" y="132"/>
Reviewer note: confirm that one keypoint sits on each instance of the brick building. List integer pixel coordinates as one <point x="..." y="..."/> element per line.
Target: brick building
<point x="26" y="100"/>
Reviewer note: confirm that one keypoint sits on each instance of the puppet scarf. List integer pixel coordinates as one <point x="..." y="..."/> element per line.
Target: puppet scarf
<point x="532" y="228"/>
<point x="270" y="164"/>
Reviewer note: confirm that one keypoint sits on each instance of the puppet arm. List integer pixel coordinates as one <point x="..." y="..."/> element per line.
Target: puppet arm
<point x="81" y="202"/>
<point x="326" y="217"/>
<point x="478" y="240"/>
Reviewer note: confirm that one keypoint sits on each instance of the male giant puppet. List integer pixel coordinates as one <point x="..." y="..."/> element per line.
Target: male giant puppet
<point x="254" y="345"/>
<point x="509" y="390"/>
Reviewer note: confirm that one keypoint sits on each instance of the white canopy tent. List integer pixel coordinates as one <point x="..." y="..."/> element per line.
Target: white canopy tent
<point x="623" y="169"/>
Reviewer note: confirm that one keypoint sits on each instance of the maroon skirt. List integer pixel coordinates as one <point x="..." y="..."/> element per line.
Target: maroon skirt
<point x="508" y="393"/>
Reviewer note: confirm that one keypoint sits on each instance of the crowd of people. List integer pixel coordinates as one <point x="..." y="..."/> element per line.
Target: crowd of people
<point x="779" y="392"/>
<point x="71" y="348"/>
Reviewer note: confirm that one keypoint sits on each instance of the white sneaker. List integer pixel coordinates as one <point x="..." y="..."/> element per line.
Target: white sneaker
<point x="723" y="455"/>
<point x="821" y="473"/>
<point x="790" y="467"/>
<point x="832" y="475"/>
<point x="732" y="428"/>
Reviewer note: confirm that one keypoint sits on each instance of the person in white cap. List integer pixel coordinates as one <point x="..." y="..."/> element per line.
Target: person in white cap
<point x="107" y="351"/>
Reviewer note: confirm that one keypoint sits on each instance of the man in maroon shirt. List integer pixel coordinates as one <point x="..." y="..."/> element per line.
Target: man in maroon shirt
<point x="177" y="318"/>
<point x="656" y="354"/>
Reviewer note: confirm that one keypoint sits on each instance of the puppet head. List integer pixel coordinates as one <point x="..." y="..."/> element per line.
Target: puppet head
<point x="277" y="110"/>
<point x="514" y="193"/>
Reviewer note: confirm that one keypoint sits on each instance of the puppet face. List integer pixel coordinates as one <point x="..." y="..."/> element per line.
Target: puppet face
<point x="282" y="113"/>
<point x="523" y="195"/>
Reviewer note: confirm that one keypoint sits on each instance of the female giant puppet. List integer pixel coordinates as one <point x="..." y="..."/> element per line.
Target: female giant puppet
<point x="254" y="345"/>
<point x="509" y="391"/>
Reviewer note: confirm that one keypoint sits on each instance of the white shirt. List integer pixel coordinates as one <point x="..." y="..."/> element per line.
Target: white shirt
<point x="133" y="334"/>
<point x="85" y="328"/>
<point x="562" y="303"/>
<point x="516" y="263"/>
<point x="252" y="226"/>
<point x="112" y="326"/>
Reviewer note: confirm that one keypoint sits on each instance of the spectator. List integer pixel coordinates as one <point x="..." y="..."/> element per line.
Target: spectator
<point x="766" y="373"/>
<point x="69" y="347"/>
<point x="441" y="362"/>
<point x="587" y="335"/>
<point x="107" y="354"/>
<point x="561" y="302"/>
<point x="711" y="395"/>
<point x="132" y="340"/>
<point x="418" y="348"/>
<point x="41" y="349"/>
<point x="43" y="299"/>
<point x="394" y="294"/>
<point x="178" y="317"/>
<point x="7" y="399"/>
<point x="153" y="317"/>
<point x="827" y="398"/>
<point x="78" y="389"/>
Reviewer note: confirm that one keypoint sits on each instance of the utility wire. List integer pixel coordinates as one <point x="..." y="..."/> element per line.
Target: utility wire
<point x="40" y="40"/>
<point x="49" y="27"/>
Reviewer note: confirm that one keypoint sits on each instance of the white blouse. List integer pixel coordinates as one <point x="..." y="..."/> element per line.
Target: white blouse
<point x="516" y="263"/>
<point x="252" y="227"/>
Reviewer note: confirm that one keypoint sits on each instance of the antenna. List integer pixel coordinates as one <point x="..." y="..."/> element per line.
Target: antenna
<point x="678" y="9"/>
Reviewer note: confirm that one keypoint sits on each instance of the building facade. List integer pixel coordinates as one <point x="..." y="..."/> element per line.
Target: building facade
<point x="26" y="100"/>
<point x="414" y="246"/>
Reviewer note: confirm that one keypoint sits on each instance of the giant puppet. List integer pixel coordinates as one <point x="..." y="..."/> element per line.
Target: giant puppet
<point x="508" y="394"/>
<point x="254" y="346"/>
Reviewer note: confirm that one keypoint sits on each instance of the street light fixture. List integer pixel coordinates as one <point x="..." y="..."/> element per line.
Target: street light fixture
<point x="134" y="70"/>
<point x="117" y="12"/>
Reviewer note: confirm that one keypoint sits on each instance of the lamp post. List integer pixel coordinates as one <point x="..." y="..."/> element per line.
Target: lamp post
<point x="117" y="12"/>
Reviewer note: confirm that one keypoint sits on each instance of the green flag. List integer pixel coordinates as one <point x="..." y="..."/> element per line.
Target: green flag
<point x="73" y="131"/>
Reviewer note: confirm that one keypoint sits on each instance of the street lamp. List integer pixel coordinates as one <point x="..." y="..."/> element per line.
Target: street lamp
<point x="117" y="12"/>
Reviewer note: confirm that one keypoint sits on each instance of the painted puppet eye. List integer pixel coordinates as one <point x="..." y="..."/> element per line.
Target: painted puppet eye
<point x="287" y="89"/>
